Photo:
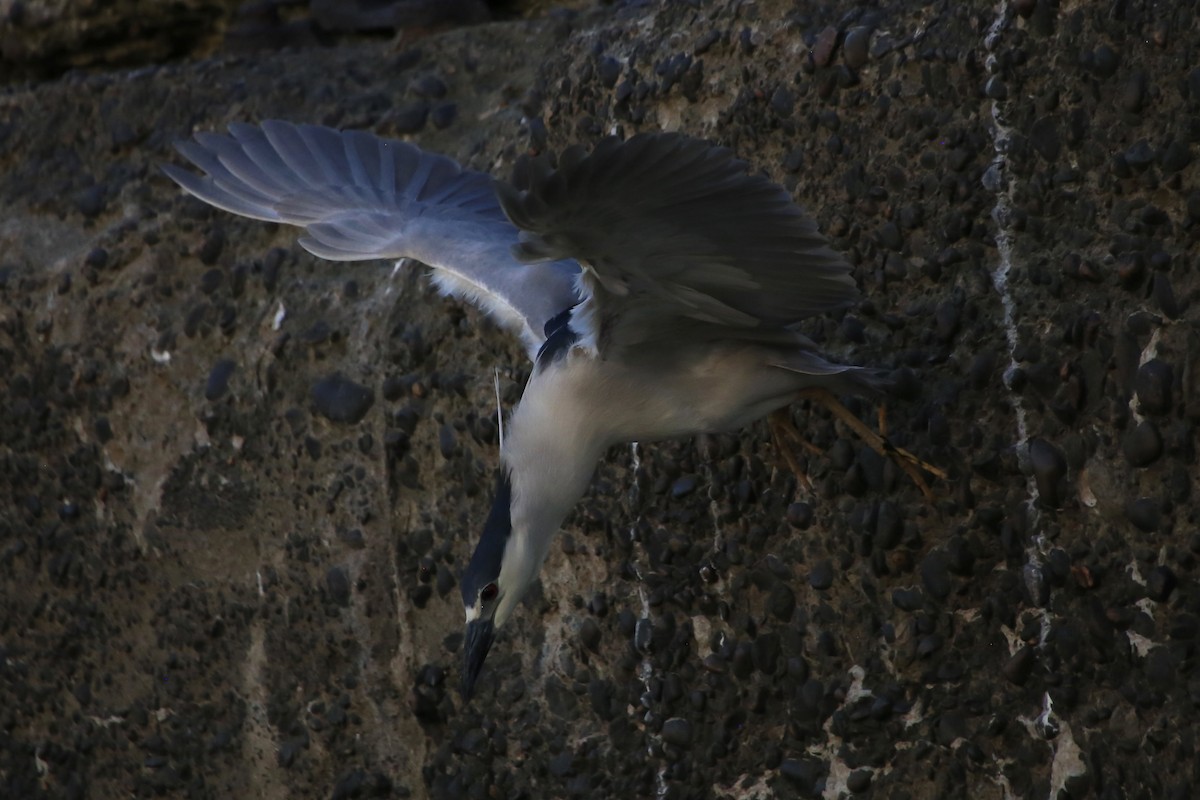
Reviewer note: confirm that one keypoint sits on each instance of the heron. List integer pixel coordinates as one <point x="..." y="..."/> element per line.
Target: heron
<point x="655" y="283"/>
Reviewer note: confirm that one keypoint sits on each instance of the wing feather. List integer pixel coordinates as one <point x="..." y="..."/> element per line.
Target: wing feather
<point x="361" y="197"/>
<point x="674" y="229"/>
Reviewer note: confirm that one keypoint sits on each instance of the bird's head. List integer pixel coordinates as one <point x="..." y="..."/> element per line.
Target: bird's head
<point x="497" y="577"/>
<point x="542" y="474"/>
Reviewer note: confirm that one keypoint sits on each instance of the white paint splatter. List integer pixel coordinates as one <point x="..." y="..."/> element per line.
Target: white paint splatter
<point x="1068" y="761"/>
<point x="105" y="722"/>
<point x="499" y="410"/>
<point x="1140" y="644"/>
<point x="1149" y="353"/>
<point x="1001" y="780"/>
<point x="915" y="715"/>
<point x="830" y="750"/>
<point x="646" y="667"/>
<point x="996" y="181"/>
<point x="1056" y="732"/>
<point x="715" y="511"/>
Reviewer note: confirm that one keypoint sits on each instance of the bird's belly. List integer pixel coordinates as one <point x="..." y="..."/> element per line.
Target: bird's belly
<point x="713" y="396"/>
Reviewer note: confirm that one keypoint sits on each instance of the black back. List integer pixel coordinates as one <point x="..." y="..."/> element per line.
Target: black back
<point x="559" y="338"/>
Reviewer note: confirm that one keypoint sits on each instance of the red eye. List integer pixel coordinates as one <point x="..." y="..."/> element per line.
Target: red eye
<point x="488" y="593"/>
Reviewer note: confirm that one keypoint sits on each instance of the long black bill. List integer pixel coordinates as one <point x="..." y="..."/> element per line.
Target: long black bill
<point x="480" y="635"/>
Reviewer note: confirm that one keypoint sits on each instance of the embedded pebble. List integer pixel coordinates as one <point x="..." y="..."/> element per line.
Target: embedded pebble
<point x="600" y="694"/>
<point x="1164" y="295"/>
<point x="608" y="69"/>
<point x="782" y="602"/>
<point x="598" y="605"/>
<point x="889" y="236"/>
<point x="410" y="117"/>
<point x="590" y="635"/>
<point x="1153" y="384"/>
<point x="318" y="333"/>
<point x="928" y="645"/>
<point x="782" y="101"/>
<point x="218" y="379"/>
<point x="823" y="47"/>
<point x="426" y="569"/>
<point x="444" y="582"/>
<point x="447" y="441"/>
<point x="841" y="455"/>
<point x="804" y="773"/>
<point x="800" y="515"/>
<point x="853" y="329"/>
<point x="1025" y="7"/>
<point x="337" y="582"/>
<point x="935" y="574"/>
<point x="339" y="399"/>
<point x="951" y="727"/>
<point x="683" y="486"/>
<point x="1049" y="468"/>
<point x="428" y="86"/>
<point x="908" y="599"/>
<point x="92" y="201"/>
<point x="743" y="661"/>
<point x="1175" y="156"/>
<point x="821" y="576"/>
<point x="856" y="47"/>
<point x="677" y="731"/>
<point x="443" y="115"/>
<point x="767" y="648"/>
<point x="1144" y="513"/>
<point x="1140" y="155"/>
<point x="1132" y="94"/>
<point x="859" y="780"/>
<point x="889" y="525"/>
<point x="1043" y="134"/>
<point x="1105" y="61"/>
<point x="211" y="280"/>
<point x="97" y="258"/>
<point x="1160" y="583"/>
<point x="1019" y="666"/>
<point x="1143" y="445"/>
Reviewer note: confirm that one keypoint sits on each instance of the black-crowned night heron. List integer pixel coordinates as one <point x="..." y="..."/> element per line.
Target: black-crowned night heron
<point x="654" y="283"/>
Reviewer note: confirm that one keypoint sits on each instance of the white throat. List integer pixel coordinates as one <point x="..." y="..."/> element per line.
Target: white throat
<point x="551" y="448"/>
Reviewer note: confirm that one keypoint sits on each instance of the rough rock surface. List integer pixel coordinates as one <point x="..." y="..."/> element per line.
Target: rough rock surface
<point x="237" y="484"/>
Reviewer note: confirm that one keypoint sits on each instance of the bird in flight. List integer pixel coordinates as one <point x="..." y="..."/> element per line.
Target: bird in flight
<point x="655" y="284"/>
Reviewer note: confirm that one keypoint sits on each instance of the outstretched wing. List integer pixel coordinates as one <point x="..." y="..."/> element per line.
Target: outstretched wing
<point x="361" y="197"/>
<point x="673" y="235"/>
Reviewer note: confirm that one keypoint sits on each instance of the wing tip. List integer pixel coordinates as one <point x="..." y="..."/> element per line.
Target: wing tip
<point x="178" y="174"/>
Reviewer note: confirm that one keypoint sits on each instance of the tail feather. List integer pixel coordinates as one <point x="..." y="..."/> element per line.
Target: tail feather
<point x="837" y="378"/>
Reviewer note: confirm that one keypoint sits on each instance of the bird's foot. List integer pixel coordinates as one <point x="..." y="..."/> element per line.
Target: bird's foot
<point x="911" y="464"/>
<point x="785" y="437"/>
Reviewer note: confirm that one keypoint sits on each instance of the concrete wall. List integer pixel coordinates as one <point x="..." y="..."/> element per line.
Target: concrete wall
<point x="211" y="590"/>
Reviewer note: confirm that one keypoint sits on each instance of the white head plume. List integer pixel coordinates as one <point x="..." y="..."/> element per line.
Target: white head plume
<point x="499" y="409"/>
